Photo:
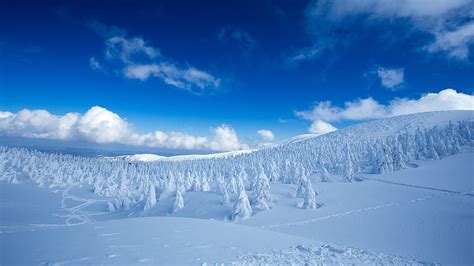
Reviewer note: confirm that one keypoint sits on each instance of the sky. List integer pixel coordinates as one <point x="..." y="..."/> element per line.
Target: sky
<point x="226" y="75"/>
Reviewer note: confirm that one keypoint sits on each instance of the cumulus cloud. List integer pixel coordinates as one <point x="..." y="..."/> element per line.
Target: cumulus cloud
<point x="319" y="127"/>
<point x="366" y="109"/>
<point x="449" y="22"/>
<point x="391" y="78"/>
<point x="225" y="138"/>
<point x="265" y="135"/>
<point x="138" y="59"/>
<point x="100" y="125"/>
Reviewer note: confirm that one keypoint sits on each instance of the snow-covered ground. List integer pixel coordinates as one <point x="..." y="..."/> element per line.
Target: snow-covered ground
<point x="419" y="213"/>
<point x="147" y="157"/>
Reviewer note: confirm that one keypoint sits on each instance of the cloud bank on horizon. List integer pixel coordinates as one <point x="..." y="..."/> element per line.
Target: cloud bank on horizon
<point x="99" y="125"/>
<point x="365" y="109"/>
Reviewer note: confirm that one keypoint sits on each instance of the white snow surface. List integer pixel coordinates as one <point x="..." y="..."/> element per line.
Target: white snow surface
<point x="147" y="157"/>
<point x="410" y="201"/>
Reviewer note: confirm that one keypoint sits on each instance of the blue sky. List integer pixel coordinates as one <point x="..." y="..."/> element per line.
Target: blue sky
<point x="190" y="67"/>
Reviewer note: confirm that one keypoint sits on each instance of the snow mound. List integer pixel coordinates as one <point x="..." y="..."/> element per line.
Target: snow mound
<point x="324" y="254"/>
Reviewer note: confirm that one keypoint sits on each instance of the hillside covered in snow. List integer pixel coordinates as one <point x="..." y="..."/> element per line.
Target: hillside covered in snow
<point x="346" y="196"/>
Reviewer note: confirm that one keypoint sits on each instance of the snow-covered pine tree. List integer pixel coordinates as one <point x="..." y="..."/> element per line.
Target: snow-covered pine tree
<point x="309" y="199"/>
<point x="151" y="197"/>
<point x="196" y="184"/>
<point x="263" y="197"/>
<point x="325" y="174"/>
<point x="205" y="185"/>
<point x="300" y="190"/>
<point x="432" y="153"/>
<point x="398" y="159"/>
<point x="348" y="170"/>
<point x="232" y="185"/>
<point x="244" y="176"/>
<point x="178" y="201"/>
<point x="223" y="189"/>
<point x="242" y="208"/>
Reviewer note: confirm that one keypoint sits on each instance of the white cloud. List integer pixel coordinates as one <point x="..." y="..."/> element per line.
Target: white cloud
<point x="265" y="135"/>
<point x="129" y="50"/>
<point x="141" y="72"/>
<point x="448" y="21"/>
<point x="94" y="64"/>
<point x="448" y="99"/>
<point x="391" y="78"/>
<point x="225" y="138"/>
<point x="171" y="75"/>
<point x="320" y="127"/>
<point x="414" y="9"/>
<point x="306" y="53"/>
<point x="137" y="59"/>
<point x="365" y="109"/>
<point x="356" y="110"/>
<point x="455" y="43"/>
<point x="100" y="125"/>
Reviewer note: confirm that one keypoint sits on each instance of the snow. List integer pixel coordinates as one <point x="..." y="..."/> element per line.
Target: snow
<point x="146" y="157"/>
<point x="322" y="255"/>
<point x="410" y="200"/>
<point x="425" y="212"/>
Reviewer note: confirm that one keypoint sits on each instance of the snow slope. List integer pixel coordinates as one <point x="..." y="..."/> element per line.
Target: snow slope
<point x="146" y="157"/>
<point x="392" y="191"/>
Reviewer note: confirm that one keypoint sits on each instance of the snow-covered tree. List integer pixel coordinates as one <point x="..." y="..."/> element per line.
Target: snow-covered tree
<point x="196" y="184"/>
<point x="178" y="201"/>
<point x="348" y="171"/>
<point x="243" y="175"/>
<point x="263" y="197"/>
<point x="309" y="199"/>
<point x="325" y="177"/>
<point x="232" y="186"/>
<point x="398" y="159"/>
<point x="242" y="208"/>
<point x="151" y="197"/>
<point x="223" y="190"/>
<point x="205" y="185"/>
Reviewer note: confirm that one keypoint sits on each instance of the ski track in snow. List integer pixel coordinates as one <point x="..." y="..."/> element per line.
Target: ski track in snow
<point x="75" y="213"/>
<point x="468" y="193"/>
<point x="367" y="209"/>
